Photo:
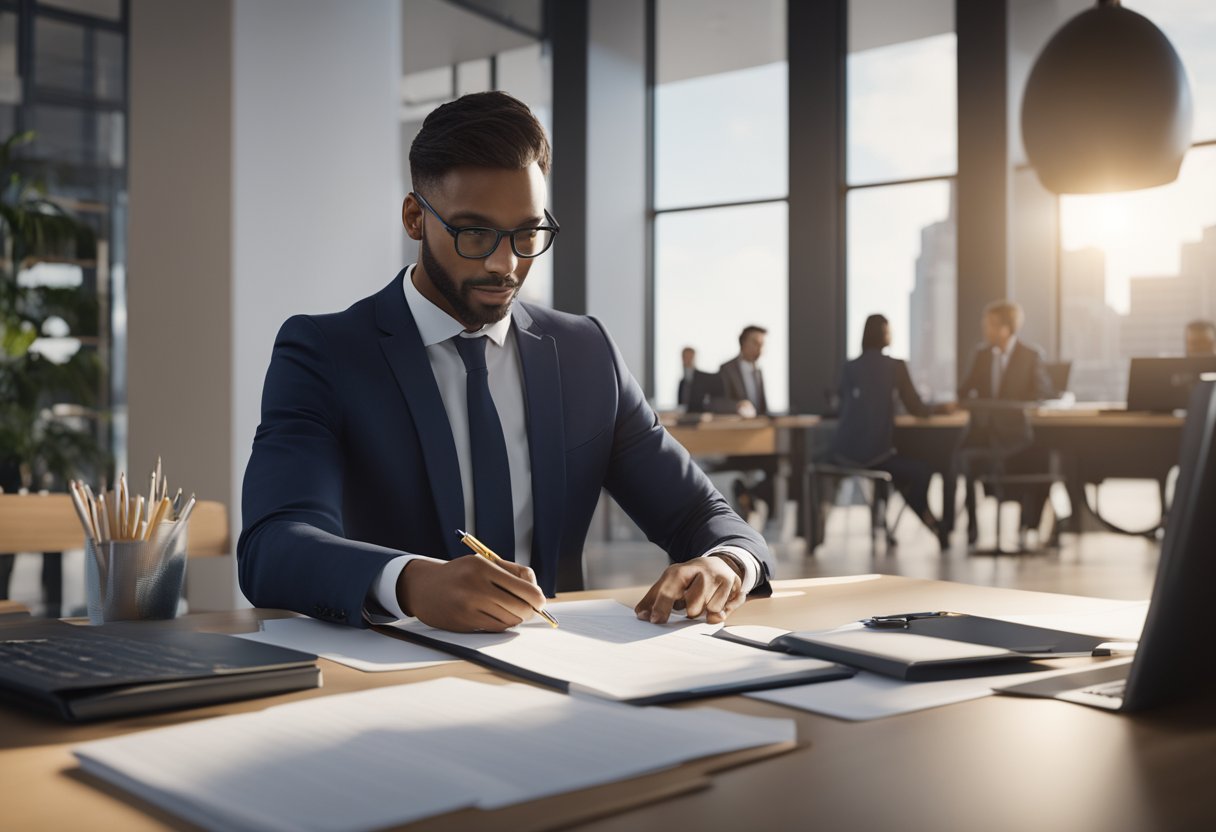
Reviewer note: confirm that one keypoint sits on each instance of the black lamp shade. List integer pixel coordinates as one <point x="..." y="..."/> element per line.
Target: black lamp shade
<point x="1107" y="106"/>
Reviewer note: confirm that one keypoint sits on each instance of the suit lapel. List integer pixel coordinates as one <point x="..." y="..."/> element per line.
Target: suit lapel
<point x="546" y="449"/>
<point x="406" y="355"/>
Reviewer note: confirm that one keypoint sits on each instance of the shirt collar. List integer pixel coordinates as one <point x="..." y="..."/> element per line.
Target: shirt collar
<point x="1013" y="342"/>
<point x="436" y="326"/>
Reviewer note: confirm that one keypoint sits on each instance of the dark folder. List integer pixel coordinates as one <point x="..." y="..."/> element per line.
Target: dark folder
<point x="1002" y="646"/>
<point x="83" y="673"/>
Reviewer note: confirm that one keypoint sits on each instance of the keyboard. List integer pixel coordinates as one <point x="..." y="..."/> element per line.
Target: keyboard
<point x="93" y="660"/>
<point x="1113" y="690"/>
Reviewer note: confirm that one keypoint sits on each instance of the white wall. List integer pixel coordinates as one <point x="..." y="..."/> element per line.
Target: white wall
<point x="265" y="181"/>
<point x="616" y="174"/>
<point x="317" y="183"/>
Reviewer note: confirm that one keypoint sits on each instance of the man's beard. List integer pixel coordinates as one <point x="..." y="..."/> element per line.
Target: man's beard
<point x="458" y="296"/>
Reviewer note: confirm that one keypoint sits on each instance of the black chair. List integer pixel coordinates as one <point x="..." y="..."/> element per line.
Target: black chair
<point x="820" y="483"/>
<point x="997" y="432"/>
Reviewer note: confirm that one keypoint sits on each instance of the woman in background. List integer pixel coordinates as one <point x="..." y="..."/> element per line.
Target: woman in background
<point x="865" y="434"/>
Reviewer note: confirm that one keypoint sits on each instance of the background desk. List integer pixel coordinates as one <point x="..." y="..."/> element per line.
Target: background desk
<point x="994" y="764"/>
<point x="1090" y="447"/>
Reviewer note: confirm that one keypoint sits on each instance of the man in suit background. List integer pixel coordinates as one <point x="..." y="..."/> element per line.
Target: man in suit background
<point x="741" y="377"/>
<point x="1004" y="368"/>
<point x="1200" y="338"/>
<point x="699" y="392"/>
<point x="441" y="403"/>
<point x="688" y="357"/>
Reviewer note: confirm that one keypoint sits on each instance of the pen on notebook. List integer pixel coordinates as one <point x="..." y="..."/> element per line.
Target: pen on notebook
<point x="488" y="553"/>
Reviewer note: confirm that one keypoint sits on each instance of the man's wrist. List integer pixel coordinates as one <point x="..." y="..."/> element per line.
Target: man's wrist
<point x="732" y="562"/>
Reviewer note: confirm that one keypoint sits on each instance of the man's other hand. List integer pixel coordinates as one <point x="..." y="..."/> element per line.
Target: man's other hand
<point x="469" y="594"/>
<point x="709" y="586"/>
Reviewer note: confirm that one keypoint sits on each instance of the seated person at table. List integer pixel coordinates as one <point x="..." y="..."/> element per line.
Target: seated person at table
<point x="865" y="433"/>
<point x="443" y="403"/>
<point x="741" y="378"/>
<point x="1004" y="368"/>
<point x="1200" y="339"/>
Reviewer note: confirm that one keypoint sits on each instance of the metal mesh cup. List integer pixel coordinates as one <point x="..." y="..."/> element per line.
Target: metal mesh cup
<point x="135" y="579"/>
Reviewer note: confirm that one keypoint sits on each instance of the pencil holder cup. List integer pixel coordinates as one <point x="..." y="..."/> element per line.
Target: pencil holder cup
<point x="135" y="579"/>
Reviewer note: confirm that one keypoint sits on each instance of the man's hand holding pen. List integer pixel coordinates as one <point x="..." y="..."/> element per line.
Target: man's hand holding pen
<point x="469" y="594"/>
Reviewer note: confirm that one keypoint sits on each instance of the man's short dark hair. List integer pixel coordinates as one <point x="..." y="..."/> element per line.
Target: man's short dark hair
<point x="748" y="330"/>
<point x="1006" y="312"/>
<point x="484" y="130"/>
<point x="1201" y="325"/>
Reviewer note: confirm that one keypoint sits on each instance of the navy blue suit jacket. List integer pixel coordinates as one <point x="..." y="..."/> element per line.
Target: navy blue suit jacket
<point x="354" y="462"/>
<point x="869" y="383"/>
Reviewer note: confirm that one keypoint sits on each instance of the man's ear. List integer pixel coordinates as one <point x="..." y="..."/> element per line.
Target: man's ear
<point x="411" y="217"/>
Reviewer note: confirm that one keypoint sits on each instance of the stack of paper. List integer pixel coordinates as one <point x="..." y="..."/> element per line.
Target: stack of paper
<point x="602" y="649"/>
<point x="394" y="755"/>
<point x="364" y="650"/>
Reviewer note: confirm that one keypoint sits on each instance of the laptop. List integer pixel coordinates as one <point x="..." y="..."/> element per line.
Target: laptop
<point x="1162" y="385"/>
<point x="1176" y="659"/>
<point x="1058" y="374"/>
<point x="80" y="673"/>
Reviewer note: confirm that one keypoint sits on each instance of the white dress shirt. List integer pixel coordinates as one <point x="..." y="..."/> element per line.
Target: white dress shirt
<point x="437" y="329"/>
<point x="747" y="369"/>
<point x="1000" y="363"/>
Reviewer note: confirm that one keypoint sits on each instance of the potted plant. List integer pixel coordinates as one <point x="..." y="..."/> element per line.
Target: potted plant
<point x="48" y="430"/>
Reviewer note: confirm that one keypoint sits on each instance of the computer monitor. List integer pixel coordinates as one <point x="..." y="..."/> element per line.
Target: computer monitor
<point x="707" y="394"/>
<point x="1176" y="657"/>
<point x="1162" y="385"/>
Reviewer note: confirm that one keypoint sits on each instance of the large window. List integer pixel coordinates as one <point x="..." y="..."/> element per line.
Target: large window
<point x="721" y="166"/>
<point x="1135" y="267"/>
<point x="63" y="77"/>
<point x="901" y="159"/>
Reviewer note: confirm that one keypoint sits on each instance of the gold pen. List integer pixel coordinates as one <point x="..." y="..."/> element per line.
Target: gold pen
<point x="489" y="554"/>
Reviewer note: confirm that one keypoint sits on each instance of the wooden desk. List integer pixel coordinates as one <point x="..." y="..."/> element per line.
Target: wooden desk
<point x="780" y="437"/>
<point x="1090" y="447"/>
<point x="994" y="764"/>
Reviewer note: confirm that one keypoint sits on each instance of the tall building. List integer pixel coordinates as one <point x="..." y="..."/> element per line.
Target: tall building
<point x="932" y="308"/>
<point x="1089" y="335"/>
<point x="1161" y="306"/>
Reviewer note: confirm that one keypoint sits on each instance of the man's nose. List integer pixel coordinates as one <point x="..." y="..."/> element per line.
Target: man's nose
<point x="502" y="261"/>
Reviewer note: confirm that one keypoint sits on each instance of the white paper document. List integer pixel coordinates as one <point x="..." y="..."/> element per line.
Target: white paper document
<point x="603" y="649"/>
<point x="871" y="696"/>
<point x="364" y="650"/>
<point x="393" y="755"/>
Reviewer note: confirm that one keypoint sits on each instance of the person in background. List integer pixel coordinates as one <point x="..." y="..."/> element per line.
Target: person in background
<point x="1005" y="368"/>
<point x="741" y="376"/>
<point x="865" y="434"/>
<point x="688" y="356"/>
<point x="1200" y="338"/>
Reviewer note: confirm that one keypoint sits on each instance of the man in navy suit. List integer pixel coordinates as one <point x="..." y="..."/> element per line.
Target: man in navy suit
<point x="442" y="402"/>
<point x="1004" y="368"/>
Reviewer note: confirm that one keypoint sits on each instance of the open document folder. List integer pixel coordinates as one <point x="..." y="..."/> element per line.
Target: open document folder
<point x="393" y="755"/>
<point x="602" y="649"/>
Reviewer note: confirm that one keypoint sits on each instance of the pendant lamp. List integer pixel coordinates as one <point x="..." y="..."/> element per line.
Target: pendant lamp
<point x="1107" y="105"/>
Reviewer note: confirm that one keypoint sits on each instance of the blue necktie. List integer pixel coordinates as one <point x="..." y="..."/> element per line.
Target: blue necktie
<point x="492" y="506"/>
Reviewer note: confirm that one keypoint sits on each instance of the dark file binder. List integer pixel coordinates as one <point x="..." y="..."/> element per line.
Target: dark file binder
<point x="1002" y="647"/>
<point x="86" y="673"/>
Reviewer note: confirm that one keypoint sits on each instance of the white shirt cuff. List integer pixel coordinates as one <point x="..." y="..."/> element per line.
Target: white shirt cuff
<point x="749" y="563"/>
<point x="384" y="590"/>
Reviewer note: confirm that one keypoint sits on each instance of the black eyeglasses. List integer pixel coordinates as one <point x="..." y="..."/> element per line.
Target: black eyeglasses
<point x="477" y="242"/>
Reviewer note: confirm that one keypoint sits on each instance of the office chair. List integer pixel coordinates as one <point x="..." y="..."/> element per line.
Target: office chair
<point x="821" y="480"/>
<point x="997" y="432"/>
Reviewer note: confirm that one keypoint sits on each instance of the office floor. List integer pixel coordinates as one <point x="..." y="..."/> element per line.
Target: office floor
<point x="1098" y="564"/>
